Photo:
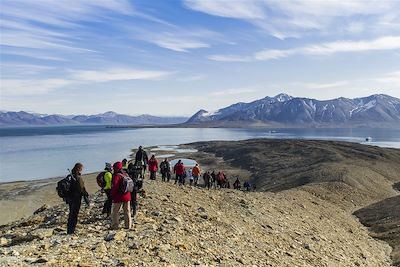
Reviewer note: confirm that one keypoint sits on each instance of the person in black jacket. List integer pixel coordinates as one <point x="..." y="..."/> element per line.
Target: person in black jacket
<point x="141" y="156"/>
<point x="74" y="201"/>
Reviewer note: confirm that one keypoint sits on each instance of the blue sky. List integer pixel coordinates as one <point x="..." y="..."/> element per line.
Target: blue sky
<point x="171" y="57"/>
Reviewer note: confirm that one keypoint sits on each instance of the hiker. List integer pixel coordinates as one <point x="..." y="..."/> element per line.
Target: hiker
<point x="119" y="199"/>
<point x="165" y="169"/>
<point x="207" y="179"/>
<point x="247" y="186"/>
<point x="141" y="156"/>
<point x="107" y="189"/>
<point x="220" y="179"/>
<point x="196" y="173"/>
<point x="153" y="167"/>
<point x="74" y="201"/>
<point x="125" y="165"/>
<point x="179" y="170"/>
<point x="189" y="174"/>
<point x="236" y="184"/>
<point x="135" y="172"/>
<point x="213" y="179"/>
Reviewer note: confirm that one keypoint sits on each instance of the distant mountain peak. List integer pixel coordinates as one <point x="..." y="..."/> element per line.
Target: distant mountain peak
<point x="282" y="97"/>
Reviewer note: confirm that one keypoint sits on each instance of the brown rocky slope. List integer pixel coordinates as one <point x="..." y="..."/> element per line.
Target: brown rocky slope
<point x="191" y="226"/>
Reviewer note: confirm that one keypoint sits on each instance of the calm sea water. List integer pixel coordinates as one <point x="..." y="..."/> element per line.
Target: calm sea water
<point x="29" y="153"/>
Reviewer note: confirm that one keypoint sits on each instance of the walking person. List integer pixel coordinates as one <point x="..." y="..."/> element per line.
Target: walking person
<point x="141" y="158"/>
<point x="165" y="169"/>
<point x="189" y="174"/>
<point x="196" y="172"/>
<point x="213" y="179"/>
<point x="207" y="179"/>
<point x="153" y="167"/>
<point x="120" y="198"/>
<point x="125" y="165"/>
<point x="107" y="190"/>
<point x="179" y="171"/>
<point x="74" y="201"/>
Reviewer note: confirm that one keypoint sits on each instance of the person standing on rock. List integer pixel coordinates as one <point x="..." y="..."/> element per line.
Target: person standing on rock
<point x="179" y="171"/>
<point x="153" y="167"/>
<point x="74" y="201"/>
<point x="107" y="189"/>
<point x="189" y="174"/>
<point x="119" y="198"/>
<point x="213" y="179"/>
<point x="165" y="169"/>
<point x="125" y="165"/>
<point x="196" y="172"/>
<point x="141" y="156"/>
<point x="207" y="179"/>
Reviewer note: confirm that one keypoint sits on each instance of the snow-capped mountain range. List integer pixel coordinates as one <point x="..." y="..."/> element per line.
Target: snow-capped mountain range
<point x="374" y="110"/>
<point x="107" y="118"/>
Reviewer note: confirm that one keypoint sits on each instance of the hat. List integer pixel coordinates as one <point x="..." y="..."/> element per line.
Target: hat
<point x="117" y="165"/>
<point x="108" y="166"/>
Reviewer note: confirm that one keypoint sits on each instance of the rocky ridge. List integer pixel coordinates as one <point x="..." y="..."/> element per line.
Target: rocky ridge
<point x="184" y="226"/>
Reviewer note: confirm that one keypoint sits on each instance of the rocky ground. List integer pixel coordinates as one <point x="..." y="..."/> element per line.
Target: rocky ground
<point x="183" y="226"/>
<point x="305" y="221"/>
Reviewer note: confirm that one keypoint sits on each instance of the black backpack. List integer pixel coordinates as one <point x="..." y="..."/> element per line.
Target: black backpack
<point x="65" y="187"/>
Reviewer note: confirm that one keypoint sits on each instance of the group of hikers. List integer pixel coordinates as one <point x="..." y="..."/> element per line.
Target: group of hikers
<point x="123" y="181"/>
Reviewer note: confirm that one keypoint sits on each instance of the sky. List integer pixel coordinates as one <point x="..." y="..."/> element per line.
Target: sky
<point x="174" y="57"/>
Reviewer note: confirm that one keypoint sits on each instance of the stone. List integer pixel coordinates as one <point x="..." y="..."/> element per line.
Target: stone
<point x="177" y="219"/>
<point x="3" y="242"/>
<point x="42" y="233"/>
<point x="45" y="246"/>
<point x="15" y="253"/>
<point x="201" y="209"/>
<point x="156" y="213"/>
<point x="164" y="247"/>
<point x="308" y="247"/>
<point x="41" y="260"/>
<point x="41" y="209"/>
<point x="101" y="247"/>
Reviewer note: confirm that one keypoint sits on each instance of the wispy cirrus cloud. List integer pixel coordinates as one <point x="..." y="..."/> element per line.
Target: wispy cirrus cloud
<point x="379" y="44"/>
<point x="25" y="87"/>
<point x="284" y="19"/>
<point x="116" y="74"/>
<point x="39" y="86"/>
<point x="176" y="38"/>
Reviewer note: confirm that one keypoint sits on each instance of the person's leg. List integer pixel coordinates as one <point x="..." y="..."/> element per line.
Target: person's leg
<point x="75" y="206"/>
<point x="168" y="176"/>
<point x="127" y="215"/>
<point x="163" y="176"/>
<point x="107" y="203"/>
<point x="115" y="214"/>
<point x="134" y="201"/>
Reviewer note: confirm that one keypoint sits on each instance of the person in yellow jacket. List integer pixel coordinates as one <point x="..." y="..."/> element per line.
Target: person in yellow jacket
<point x="107" y="189"/>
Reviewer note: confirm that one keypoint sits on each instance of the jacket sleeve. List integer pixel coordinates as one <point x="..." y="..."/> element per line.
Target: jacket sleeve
<point x="81" y="186"/>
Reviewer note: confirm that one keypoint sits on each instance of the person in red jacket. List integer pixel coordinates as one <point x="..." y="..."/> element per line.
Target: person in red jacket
<point x="119" y="199"/>
<point x="153" y="167"/>
<point x="179" y="171"/>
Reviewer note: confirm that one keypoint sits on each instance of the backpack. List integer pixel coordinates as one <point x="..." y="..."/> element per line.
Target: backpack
<point x="100" y="179"/>
<point x="126" y="184"/>
<point x="65" y="187"/>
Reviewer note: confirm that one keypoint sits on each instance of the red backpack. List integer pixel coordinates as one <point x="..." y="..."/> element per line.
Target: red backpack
<point x="100" y="179"/>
